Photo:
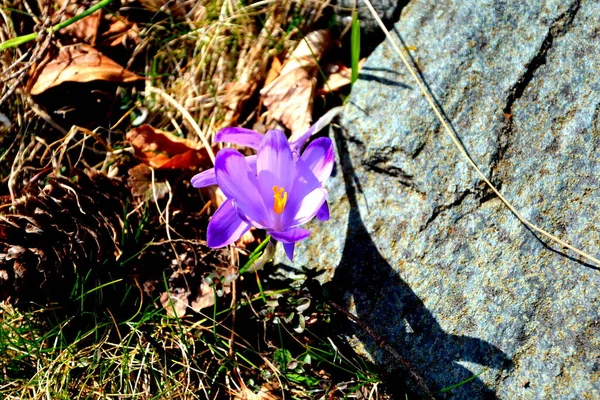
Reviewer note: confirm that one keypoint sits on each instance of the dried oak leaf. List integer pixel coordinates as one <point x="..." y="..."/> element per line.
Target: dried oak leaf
<point x="288" y="98"/>
<point x="140" y="183"/>
<point x="85" y="29"/>
<point x="193" y="11"/>
<point x="120" y="32"/>
<point x="79" y="63"/>
<point x="338" y="76"/>
<point x="162" y="150"/>
<point x="267" y="392"/>
<point x="175" y="302"/>
<point x="274" y="71"/>
<point x="204" y="298"/>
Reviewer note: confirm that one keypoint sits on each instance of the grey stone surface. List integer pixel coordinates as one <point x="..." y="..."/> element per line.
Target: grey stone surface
<point x="388" y="11"/>
<point x="419" y="249"/>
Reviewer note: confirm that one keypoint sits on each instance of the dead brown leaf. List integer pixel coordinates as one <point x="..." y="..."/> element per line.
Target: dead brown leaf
<point x="120" y="32"/>
<point x="338" y="76"/>
<point x="162" y="150"/>
<point x="288" y="98"/>
<point x="205" y="297"/>
<point x="85" y="29"/>
<point x="274" y="71"/>
<point x="79" y="63"/>
<point x="194" y="11"/>
<point x="140" y="183"/>
<point x="175" y="302"/>
<point x="266" y="392"/>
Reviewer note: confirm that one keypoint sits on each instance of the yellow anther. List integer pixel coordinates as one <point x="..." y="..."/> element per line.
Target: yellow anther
<point x="279" y="199"/>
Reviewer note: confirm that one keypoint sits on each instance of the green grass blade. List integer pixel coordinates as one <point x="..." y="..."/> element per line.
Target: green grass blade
<point x="355" y="47"/>
<point x="462" y="382"/>
<point x="255" y="254"/>
<point x="19" y="40"/>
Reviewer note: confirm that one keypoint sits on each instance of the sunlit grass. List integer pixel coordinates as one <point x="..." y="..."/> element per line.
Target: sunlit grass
<point x="108" y="337"/>
<point x="48" y="354"/>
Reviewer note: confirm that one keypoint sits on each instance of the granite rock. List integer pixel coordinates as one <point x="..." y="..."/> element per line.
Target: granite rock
<point x="420" y="250"/>
<point x="387" y="10"/>
<point x="371" y="34"/>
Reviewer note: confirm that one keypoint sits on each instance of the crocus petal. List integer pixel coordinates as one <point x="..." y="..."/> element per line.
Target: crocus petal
<point x="298" y="143"/>
<point x="204" y="178"/>
<point x="291" y="235"/>
<point x="208" y="177"/>
<point x="305" y="182"/>
<point x="226" y="226"/>
<point x="319" y="157"/>
<point x="252" y="163"/>
<point x="238" y="182"/>
<point x="323" y="213"/>
<point x="274" y="165"/>
<point x="241" y="136"/>
<point x="289" y="250"/>
<point x="308" y="207"/>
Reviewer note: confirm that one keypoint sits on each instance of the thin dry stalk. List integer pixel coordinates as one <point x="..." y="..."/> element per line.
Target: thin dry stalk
<point x="461" y="149"/>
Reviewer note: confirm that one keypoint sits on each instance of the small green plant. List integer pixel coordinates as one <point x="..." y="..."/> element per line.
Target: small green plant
<point x="98" y="349"/>
<point x="355" y="47"/>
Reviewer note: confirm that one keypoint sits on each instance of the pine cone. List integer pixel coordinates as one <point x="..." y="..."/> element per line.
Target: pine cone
<point x="63" y="231"/>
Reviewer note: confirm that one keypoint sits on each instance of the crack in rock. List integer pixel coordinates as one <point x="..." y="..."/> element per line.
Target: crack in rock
<point x="381" y="167"/>
<point x="445" y="207"/>
<point x="558" y="28"/>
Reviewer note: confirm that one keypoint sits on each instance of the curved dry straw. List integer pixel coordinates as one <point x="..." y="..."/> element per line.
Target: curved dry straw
<point x="187" y="116"/>
<point x="460" y="147"/>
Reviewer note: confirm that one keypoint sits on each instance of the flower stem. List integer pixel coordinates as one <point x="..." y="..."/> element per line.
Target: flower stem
<point x="255" y="254"/>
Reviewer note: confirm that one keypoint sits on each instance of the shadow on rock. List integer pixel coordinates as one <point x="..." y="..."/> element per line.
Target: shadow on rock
<point x="373" y="74"/>
<point x="385" y="303"/>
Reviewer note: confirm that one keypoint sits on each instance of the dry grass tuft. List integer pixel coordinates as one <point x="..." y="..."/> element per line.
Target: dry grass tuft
<point x="216" y="61"/>
<point x="164" y="316"/>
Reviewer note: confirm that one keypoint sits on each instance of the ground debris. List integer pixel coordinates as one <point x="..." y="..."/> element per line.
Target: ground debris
<point x="79" y="63"/>
<point x="162" y="150"/>
<point x="58" y="231"/>
<point x="288" y="98"/>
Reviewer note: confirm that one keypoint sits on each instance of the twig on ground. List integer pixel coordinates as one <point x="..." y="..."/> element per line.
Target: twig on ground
<point x="233" y="307"/>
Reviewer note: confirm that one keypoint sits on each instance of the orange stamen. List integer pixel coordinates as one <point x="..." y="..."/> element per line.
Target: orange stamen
<point x="279" y="199"/>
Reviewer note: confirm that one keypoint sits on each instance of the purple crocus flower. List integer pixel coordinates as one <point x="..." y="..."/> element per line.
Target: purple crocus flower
<point x="279" y="189"/>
